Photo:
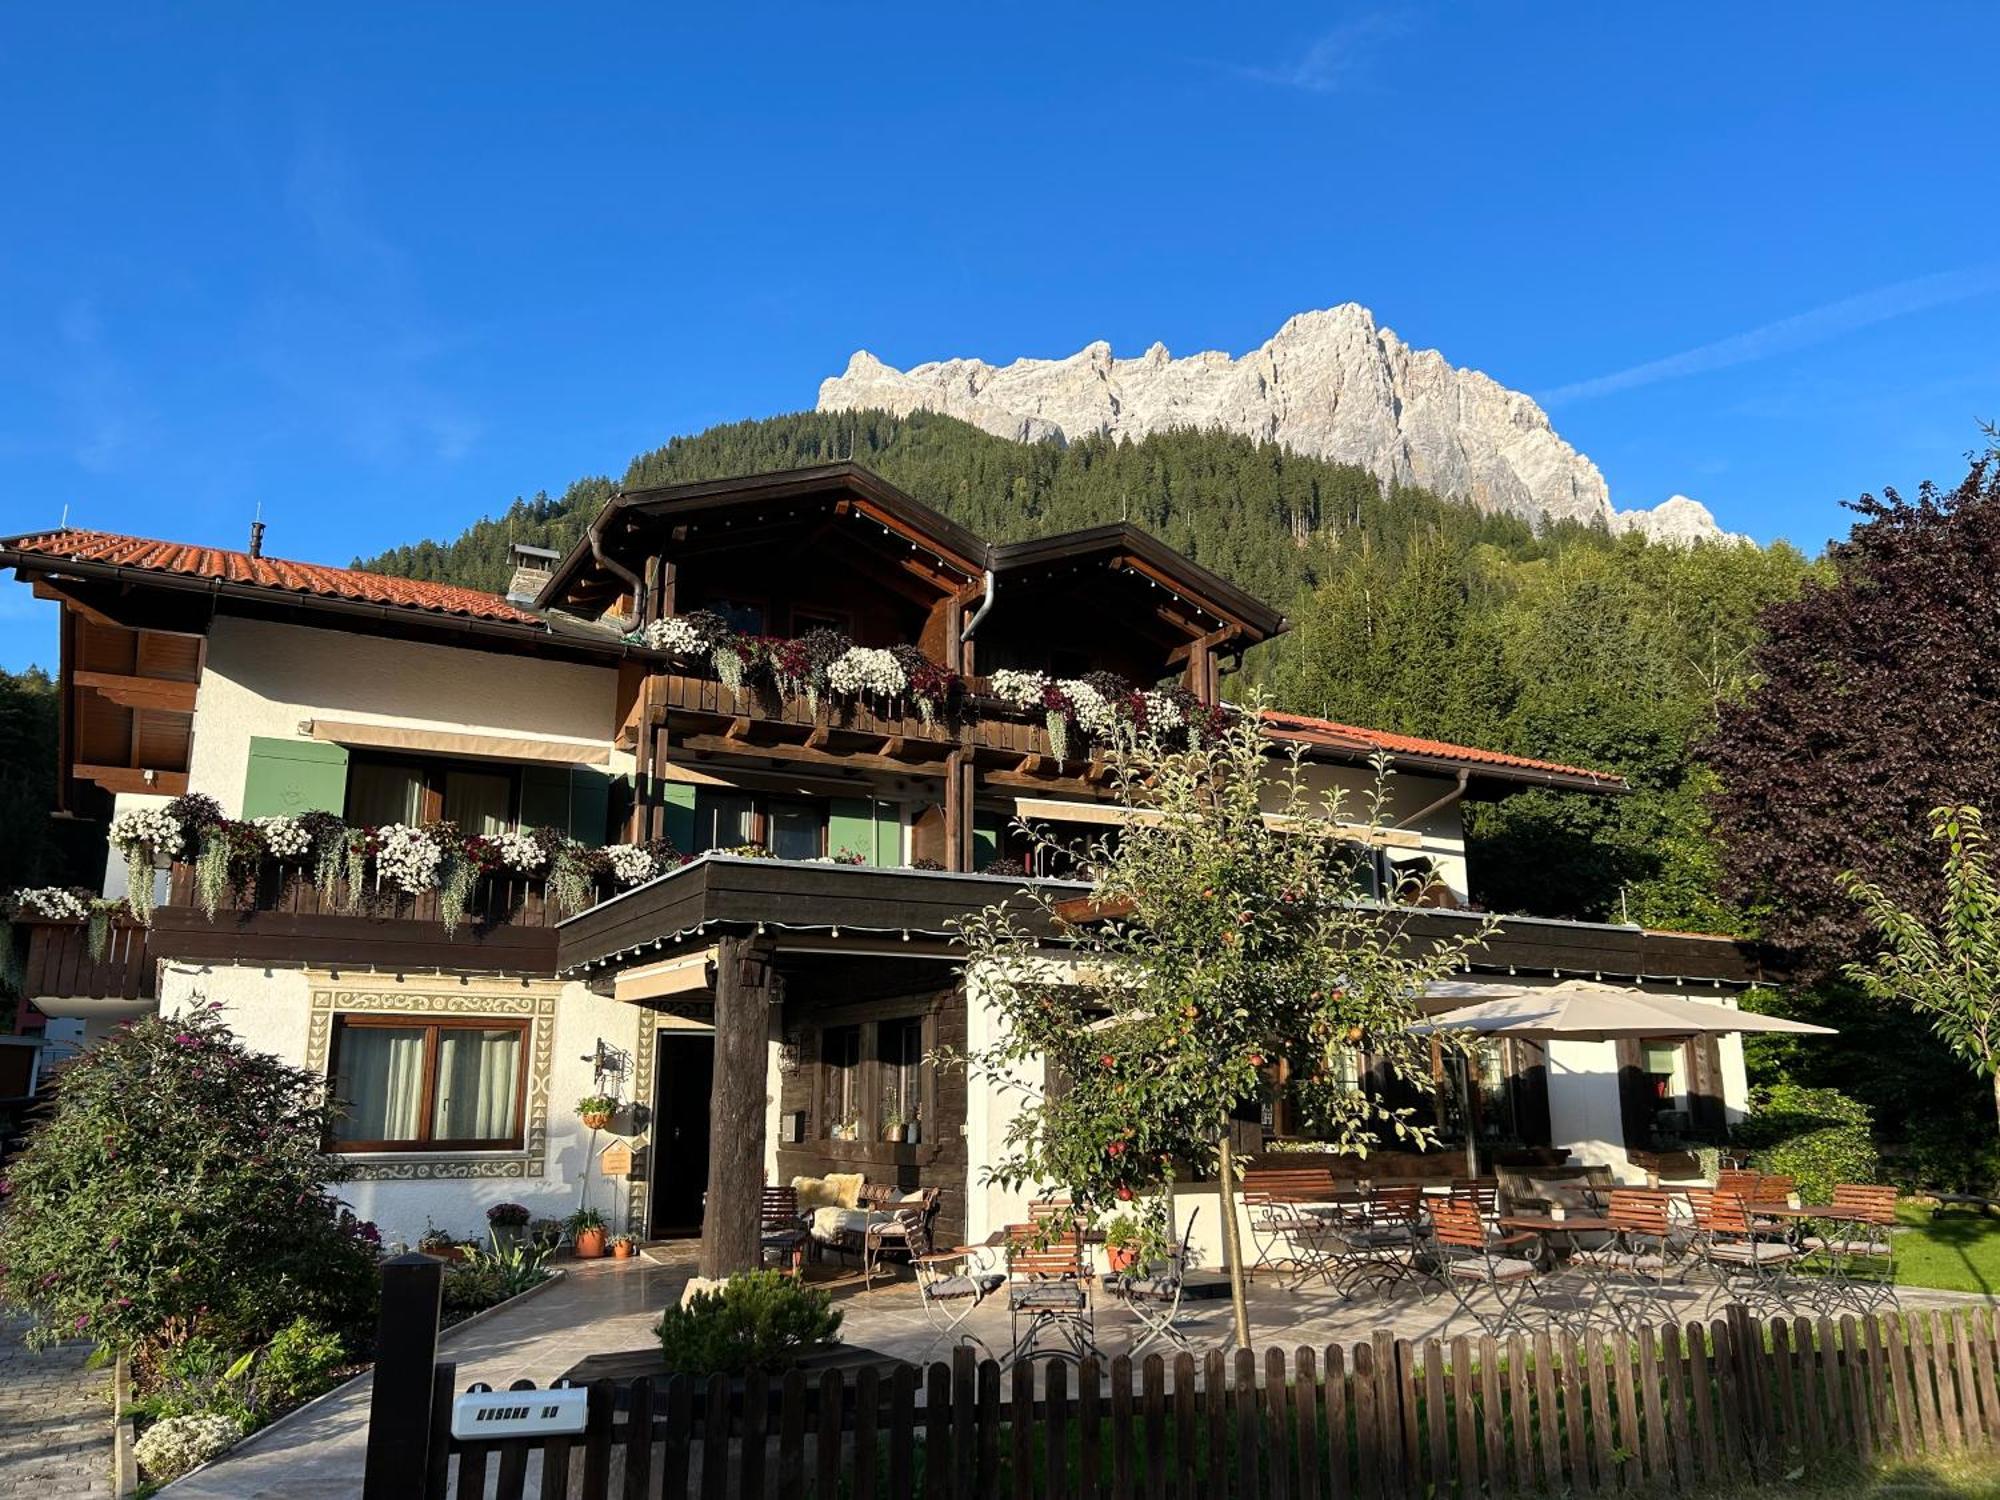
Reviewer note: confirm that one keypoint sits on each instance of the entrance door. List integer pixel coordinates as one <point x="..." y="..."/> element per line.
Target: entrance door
<point x="683" y="1070"/>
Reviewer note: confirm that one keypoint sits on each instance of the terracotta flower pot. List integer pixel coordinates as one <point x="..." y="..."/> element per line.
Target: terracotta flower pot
<point x="1121" y="1257"/>
<point x="590" y="1244"/>
<point x="622" y="1250"/>
<point x="596" y="1119"/>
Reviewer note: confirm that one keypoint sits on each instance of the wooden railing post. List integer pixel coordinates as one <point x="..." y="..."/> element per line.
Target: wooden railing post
<point x="400" y="1408"/>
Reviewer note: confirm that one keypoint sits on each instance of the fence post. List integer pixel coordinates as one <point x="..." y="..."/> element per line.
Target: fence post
<point x="399" y="1410"/>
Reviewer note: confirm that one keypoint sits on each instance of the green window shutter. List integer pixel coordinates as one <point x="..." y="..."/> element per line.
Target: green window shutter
<point x="576" y="799"/>
<point x="850" y="824"/>
<point x="679" y="799"/>
<point x="289" y="777"/>
<point x="888" y="835"/>
<point x="986" y="828"/>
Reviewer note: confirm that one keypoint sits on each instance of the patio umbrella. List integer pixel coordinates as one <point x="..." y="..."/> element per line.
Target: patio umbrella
<point x="1582" y="1011"/>
<point x="1579" y="1010"/>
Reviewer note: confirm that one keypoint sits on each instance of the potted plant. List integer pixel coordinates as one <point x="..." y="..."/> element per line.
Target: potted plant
<point x="586" y="1229"/>
<point x="622" y="1247"/>
<point x="508" y="1223"/>
<point x="1132" y="1242"/>
<point x="847" y="1130"/>
<point x="596" y="1110"/>
<point x="435" y="1241"/>
<point x="545" y="1234"/>
<point x="893" y="1124"/>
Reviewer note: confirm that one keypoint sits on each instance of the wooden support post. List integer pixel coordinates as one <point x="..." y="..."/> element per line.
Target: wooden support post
<point x="957" y="814"/>
<point x="744" y="993"/>
<point x="399" y="1411"/>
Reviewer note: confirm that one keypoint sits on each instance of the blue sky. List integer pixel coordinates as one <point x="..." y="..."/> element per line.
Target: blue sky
<point x="381" y="269"/>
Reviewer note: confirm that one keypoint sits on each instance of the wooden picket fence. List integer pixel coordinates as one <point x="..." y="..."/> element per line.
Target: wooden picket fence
<point x="1677" y="1408"/>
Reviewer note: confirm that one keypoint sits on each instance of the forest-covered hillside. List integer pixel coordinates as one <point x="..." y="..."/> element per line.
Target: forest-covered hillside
<point x="1413" y="613"/>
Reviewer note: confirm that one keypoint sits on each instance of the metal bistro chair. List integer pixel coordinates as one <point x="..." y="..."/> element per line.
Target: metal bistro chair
<point x="1856" y="1256"/>
<point x="952" y="1285"/>
<point x="780" y="1228"/>
<point x="1482" y="1192"/>
<point x="1641" y="1255"/>
<point x="1047" y="1293"/>
<point x="1287" y="1239"/>
<point x="1748" y="1266"/>
<point x="1155" y="1300"/>
<point x="907" y="1232"/>
<point x="1475" y="1259"/>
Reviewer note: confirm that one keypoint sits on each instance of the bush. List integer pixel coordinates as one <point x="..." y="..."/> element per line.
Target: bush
<point x="300" y="1362"/>
<point x="762" y="1320"/>
<point x="486" y="1278"/>
<point x="174" y="1445"/>
<point x="179" y="1182"/>
<point x="1821" y="1137"/>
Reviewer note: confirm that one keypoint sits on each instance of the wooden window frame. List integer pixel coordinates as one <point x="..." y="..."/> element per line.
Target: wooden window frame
<point x="432" y="770"/>
<point x="833" y="619"/>
<point x="431" y="1026"/>
<point x="868" y="1018"/>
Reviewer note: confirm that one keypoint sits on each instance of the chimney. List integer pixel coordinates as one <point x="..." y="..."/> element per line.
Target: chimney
<point x="256" y="538"/>
<point x="532" y="567"/>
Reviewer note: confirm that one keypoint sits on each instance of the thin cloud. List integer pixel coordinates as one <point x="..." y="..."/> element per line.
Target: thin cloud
<point x="1800" y="331"/>
<point x="1332" y="61"/>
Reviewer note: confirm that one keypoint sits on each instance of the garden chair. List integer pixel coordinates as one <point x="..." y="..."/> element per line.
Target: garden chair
<point x="1642" y="1254"/>
<point x="1474" y="1259"/>
<point x="1748" y="1265"/>
<point x="781" y="1230"/>
<point x="1154" y="1297"/>
<point x="1856" y="1255"/>
<point x="1287" y="1238"/>
<point x="1047" y="1292"/>
<point x="1483" y="1192"/>
<point x="907" y="1233"/>
<point x="952" y="1285"/>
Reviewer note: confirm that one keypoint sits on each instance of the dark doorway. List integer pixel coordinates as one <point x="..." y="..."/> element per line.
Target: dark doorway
<point x="683" y="1072"/>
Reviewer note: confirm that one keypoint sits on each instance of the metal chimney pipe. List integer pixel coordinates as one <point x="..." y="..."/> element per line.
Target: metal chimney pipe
<point x="256" y="538"/>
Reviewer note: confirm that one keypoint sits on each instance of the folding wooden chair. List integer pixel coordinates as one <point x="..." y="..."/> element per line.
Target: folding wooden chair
<point x="907" y="1233"/>
<point x="1047" y="1293"/>
<point x="1748" y="1266"/>
<point x="1474" y="1259"/>
<point x="1856" y="1255"/>
<point x="1640" y="1255"/>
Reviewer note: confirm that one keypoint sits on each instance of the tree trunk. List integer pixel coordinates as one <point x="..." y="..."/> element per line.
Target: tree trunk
<point x="731" y="1224"/>
<point x="1232" y="1238"/>
<point x="1996" y="1095"/>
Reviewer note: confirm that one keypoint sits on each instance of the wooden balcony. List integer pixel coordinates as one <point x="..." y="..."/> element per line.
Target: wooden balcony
<point x="58" y="962"/>
<point x="704" y="716"/>
<point x="509" y="925"/>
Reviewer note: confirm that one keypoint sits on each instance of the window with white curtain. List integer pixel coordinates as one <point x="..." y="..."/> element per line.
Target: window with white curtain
<point x="405" y="1083"/>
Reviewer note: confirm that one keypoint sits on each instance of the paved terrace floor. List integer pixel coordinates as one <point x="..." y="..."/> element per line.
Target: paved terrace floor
<point x="609" y="1306"/>
<point x="55" y="1421"/>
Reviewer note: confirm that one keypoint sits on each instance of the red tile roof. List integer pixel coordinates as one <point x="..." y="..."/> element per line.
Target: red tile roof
<point x="191" y="561"/>
<point x="1352" y="737"/>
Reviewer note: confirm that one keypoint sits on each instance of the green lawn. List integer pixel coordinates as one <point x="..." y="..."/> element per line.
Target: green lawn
<point x="1951" y="1477"/>
<point x="1959" y="1252"/>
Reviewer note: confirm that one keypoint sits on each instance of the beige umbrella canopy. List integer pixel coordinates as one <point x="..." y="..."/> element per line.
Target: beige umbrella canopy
<point x="1583" y="1011"/>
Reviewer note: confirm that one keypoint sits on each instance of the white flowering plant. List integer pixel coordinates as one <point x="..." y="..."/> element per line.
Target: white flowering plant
<point x="55" y="902"/>
<point x="408" y="857"/>
<point x="516" y="850"/>
<point x="173" y="1446"/>
<point x="631" y="864"/>
<point x="285" y="838"/>
<point x="869" y="670"/>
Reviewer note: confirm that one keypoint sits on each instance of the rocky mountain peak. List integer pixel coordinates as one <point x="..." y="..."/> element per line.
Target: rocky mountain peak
<point x="1331" y="383"/>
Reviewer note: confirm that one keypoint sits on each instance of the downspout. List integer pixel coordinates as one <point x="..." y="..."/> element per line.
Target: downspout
<point x="992" y="585"/>
<point x="1457" y="792"/>
<point x="595" y="531"/>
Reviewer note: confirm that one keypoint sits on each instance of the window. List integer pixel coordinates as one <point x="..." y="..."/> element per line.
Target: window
<point x="408" y="1084"/>
<point x="900" y="1045"/>
<point x="744" y="618"/>
<point x="840" y="1060"/>
<point x="789" y="829"/>
<point x="479" y="798"/>
<point x="1666" y="1073"/>
<point x="1493" y="1096"/>
<point x="807" y="620"/>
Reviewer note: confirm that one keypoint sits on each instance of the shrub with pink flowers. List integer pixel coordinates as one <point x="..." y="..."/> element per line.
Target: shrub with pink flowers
<point x="178" y="1184"/>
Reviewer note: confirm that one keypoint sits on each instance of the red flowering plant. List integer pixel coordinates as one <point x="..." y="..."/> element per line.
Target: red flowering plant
<point x="179" y="1184"/>
<point x="934" y="688"/>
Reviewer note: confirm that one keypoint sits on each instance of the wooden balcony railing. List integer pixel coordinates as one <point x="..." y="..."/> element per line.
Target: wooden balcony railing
<point x="509" y="924"/>
<point x="58" y="961"/>
<point x="983" y="723"/>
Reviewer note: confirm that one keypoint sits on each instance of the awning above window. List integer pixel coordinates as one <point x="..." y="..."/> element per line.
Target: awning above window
<point x="445" y="742"/>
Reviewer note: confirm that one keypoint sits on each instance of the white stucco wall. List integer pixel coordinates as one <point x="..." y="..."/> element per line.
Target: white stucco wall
<point x="264" y="679"/>
<point x="115" y="882"/>
<point x="272" y="1009"/>
<point x="1440" y="833"/>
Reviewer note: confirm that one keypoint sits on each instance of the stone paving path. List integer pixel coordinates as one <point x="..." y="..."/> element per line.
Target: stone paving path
<point x="55" y="1422"/>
